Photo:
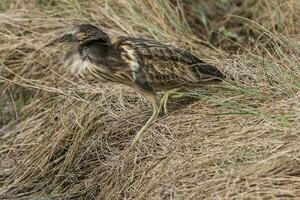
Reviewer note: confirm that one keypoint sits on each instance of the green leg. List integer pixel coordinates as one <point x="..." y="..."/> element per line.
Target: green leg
<point x="156" y="111"/>
<point x="148" y="123"/>
<point x="165" y="98"/>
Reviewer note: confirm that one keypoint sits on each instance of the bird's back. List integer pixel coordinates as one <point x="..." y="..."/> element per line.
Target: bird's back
<point x="164" y="66"/>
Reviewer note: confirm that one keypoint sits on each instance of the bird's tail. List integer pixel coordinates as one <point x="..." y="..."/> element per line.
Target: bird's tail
<point x="207" y="71"/>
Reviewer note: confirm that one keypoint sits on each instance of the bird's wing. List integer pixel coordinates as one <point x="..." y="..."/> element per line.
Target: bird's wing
<point x="154" y="64"/>
<point x="130" y="56"/>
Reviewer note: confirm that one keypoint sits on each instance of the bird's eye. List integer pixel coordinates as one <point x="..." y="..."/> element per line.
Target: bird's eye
<point x="80" y="36"/>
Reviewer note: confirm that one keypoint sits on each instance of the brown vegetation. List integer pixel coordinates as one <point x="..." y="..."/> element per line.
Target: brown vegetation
<point x="61" y="137"/>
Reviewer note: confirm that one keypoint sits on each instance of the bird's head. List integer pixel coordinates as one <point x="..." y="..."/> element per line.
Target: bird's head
<point x="82" y="34"/>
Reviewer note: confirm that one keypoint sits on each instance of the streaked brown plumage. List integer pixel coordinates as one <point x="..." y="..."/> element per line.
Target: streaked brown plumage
<point x="145" y="65"/>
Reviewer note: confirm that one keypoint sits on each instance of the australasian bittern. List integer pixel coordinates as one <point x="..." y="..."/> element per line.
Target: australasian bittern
<point x="145" y="65"/>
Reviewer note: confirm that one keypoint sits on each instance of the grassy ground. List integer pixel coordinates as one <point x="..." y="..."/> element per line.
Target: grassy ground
<point x="62" y="138"/>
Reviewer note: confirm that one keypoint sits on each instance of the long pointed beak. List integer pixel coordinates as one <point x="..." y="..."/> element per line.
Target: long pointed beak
<point x="65" y="38"/>
<point x="53" y="42"/>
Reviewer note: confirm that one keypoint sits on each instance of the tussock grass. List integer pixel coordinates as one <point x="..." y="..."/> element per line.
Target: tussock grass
<point x="62" y="137"/>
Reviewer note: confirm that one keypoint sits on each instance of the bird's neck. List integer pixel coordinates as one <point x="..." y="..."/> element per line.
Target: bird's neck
<point x="95" y="51"/>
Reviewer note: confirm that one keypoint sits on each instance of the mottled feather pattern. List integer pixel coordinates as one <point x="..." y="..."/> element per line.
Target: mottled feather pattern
<point x="75" y="63"/>
<point x="145" y="65"/>
<point x="141" y="63"/>
<point x="166" y="65"/>
<point x="131" y="57"/>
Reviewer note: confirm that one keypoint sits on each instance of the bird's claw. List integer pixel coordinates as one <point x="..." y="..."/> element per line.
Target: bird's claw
<point x="164" y="100"/>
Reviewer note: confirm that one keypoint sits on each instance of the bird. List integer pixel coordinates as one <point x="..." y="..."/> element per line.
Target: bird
<point x="145" y="65"/>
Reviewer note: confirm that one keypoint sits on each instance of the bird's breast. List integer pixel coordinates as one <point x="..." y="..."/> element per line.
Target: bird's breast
<point x="75" y="63"/>
<point x="81" y="64"/>
<point x="91" y="63"/>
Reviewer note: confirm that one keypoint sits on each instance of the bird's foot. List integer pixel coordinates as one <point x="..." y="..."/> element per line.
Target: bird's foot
<point x="156" y="111"/>
<point x="174" y="93"/>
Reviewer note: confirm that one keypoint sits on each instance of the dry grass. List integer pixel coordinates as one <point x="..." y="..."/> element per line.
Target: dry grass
<point x="63" y="138"/>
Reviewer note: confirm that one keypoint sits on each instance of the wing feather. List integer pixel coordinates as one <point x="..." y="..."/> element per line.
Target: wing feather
<point x="159" y="65"/>
<point x="131" y="58"/>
